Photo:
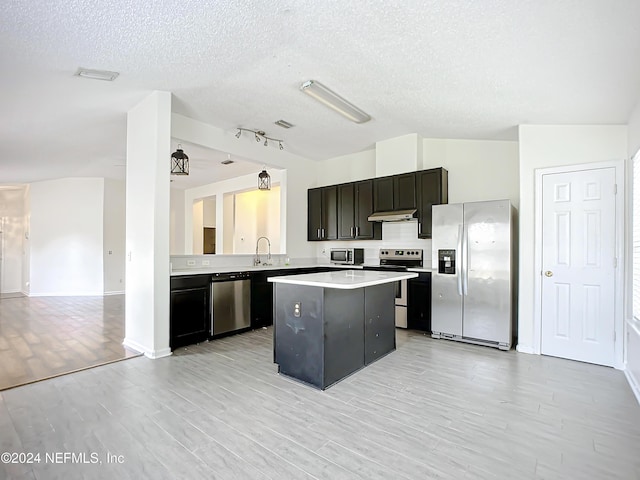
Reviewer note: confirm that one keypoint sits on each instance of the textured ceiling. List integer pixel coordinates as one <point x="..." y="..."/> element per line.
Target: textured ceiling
<point x="455" y="69"/>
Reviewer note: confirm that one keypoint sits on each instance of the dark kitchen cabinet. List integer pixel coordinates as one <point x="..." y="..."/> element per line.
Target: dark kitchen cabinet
<point x="262" y="293"/>
<point x="355" y="204"/>
<point x="433" y="189"/>
<point x="383" y="194"/>
<point x="190" y="312"/>
<point x="322" y="213"/>
<point x="397" y="192"/>
<point x="419" y="302"/>
<point x="404" y="191"/>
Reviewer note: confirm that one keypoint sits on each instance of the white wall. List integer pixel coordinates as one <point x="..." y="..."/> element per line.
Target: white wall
<point x="12" y="228"/>
<point x="478" y="169"/>
<point x="66" y="236"/>
<point x="147" y="225"/>
<point x="209" y="212"/>
<point x="632" y="326"/>
<point x="196" y="227"/>
<point x="26" y="243"/>
<point x="543" y="146"/>
<point x="176" y="214"/>
<point x="223" y="192"/>
<point x="257" y="214"/>
<point x="114" y="235"/>
<point x="398" y="155"/>
<point x="347" y="168"/>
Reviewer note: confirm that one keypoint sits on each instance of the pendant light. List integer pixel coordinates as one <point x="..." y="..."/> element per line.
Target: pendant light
<point x="179" y="162"/>
<point x="264" y="180"/>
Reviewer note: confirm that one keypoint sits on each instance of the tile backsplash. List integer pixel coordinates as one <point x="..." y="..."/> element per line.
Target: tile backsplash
<point x="394" y="235"/>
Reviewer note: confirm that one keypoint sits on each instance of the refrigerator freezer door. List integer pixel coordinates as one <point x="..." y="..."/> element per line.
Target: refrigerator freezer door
<point x="446" y="301"/>
<point x="487" y="300"/>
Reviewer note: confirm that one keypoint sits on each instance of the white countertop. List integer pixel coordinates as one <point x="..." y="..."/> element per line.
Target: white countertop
<point x="259" y="268"/>
<point x="263" y="268"/>
<point x="345" y="279"/>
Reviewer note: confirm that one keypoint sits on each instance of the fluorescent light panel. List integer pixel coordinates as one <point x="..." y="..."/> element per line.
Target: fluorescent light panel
<point x="97" y="74"/>
<point x="334" y="101"/>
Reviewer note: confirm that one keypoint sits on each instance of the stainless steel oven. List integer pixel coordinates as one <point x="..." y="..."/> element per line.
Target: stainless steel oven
<point x="392" y="259"/>
<point x="401" y="304"/>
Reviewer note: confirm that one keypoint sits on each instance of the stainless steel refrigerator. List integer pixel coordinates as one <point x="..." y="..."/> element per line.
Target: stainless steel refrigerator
<point x="473" y="276"/>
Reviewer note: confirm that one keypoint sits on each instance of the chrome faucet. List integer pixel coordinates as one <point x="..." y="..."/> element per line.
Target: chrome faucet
<point x="256" y="261"/>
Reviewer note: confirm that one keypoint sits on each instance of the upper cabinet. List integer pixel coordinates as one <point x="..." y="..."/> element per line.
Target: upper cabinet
<point x="433" y="189"/>
<point x="355" y="204"/>
<point x="340" y="212"/>
<point x="404" y="191"/>
<point x="322" y="213"/>
<point x="397" y="192"/>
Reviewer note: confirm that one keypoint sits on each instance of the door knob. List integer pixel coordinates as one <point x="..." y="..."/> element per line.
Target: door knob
<point x="548" y="273"/>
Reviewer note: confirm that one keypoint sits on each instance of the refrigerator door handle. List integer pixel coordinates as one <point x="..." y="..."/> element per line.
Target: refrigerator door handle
<point x="465" y="261"/>
<point x="460" y="266"/>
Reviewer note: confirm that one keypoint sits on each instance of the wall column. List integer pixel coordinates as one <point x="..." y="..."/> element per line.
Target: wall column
<point x="147" y="225"/>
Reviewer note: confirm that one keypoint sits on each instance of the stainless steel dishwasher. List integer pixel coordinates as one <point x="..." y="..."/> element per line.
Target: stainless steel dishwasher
<point x="231" y="305"/>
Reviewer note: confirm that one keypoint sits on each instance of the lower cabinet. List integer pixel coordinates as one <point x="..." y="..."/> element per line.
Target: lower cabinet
<point x="419" y="302"/>
<point x="261" y="300"/>
<point x="190" y="312"/>
<point x="262" y="293"/>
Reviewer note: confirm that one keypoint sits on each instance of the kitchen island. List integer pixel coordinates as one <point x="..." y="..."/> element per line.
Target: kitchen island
<point x="329" y="325"/>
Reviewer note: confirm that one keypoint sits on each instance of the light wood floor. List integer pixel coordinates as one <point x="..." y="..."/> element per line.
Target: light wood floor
<point x="431" y="409"/>
<point x="41" y="337"/>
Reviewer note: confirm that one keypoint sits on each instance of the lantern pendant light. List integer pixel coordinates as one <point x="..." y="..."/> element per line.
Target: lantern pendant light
<point x="179" y="162"/>
<point x="264" y="180"/>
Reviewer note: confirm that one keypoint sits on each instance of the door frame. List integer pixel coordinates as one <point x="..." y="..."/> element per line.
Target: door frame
<point x="618" y="165"/>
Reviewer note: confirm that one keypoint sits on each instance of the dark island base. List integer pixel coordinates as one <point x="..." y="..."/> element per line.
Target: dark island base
<point x="336" y="332"/>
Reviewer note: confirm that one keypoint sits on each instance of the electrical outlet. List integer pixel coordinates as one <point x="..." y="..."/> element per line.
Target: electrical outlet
<point x="206" y="263"/>
<point x="297" y="306"/>
<point x="191" y="263"/>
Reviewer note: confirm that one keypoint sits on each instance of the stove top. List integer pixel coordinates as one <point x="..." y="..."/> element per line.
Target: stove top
<point x="400" y="257"/>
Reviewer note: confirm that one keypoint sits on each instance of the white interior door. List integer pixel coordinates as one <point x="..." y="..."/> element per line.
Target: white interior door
<point x="578" y="265"/>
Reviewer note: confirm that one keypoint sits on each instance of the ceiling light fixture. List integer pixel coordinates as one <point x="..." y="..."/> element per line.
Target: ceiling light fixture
<point x="96" y="74"/>
<point x="334" y="101"/>
<point x="264" y="180"/>
<point x="179" y="162"/>
<point x="228" y="161"/>
<point x="259" y="135"/>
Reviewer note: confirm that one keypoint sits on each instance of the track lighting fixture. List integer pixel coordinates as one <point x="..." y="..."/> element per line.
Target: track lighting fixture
<point x="259" y="135"/>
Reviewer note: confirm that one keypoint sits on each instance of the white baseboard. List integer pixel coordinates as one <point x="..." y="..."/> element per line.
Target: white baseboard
<point x="633" y="383"/>
<point x="70" y="294"/>
<point x="164" y="352"/>
<point x="525" y="349"/>
<point x="148" y="352"/>
<point x="119" y="292"/>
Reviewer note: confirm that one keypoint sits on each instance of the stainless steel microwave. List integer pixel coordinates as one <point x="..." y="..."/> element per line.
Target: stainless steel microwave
<point x="347" y="256"/>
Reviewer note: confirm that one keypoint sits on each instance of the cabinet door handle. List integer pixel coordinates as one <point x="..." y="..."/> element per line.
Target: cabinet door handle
<point x="322" y="229"/>
<point x="319" y="234"/>
<point x="357" y="231"/>
<point x="352" y="232"/>
<point x="419" y="228"/>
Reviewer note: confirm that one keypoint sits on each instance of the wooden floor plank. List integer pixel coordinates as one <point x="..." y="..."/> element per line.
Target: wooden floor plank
<point x="431" y="409"/>
<point x="41" y="337"/>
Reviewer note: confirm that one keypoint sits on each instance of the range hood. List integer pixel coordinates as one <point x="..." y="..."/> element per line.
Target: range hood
<point x="393" y="216"/>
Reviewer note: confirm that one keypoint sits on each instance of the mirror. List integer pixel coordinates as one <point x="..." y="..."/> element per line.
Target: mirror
<point x="217" y="208"/>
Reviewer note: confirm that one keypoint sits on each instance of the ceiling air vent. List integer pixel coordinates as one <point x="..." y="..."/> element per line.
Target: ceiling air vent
<point x="283" y="124"/>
